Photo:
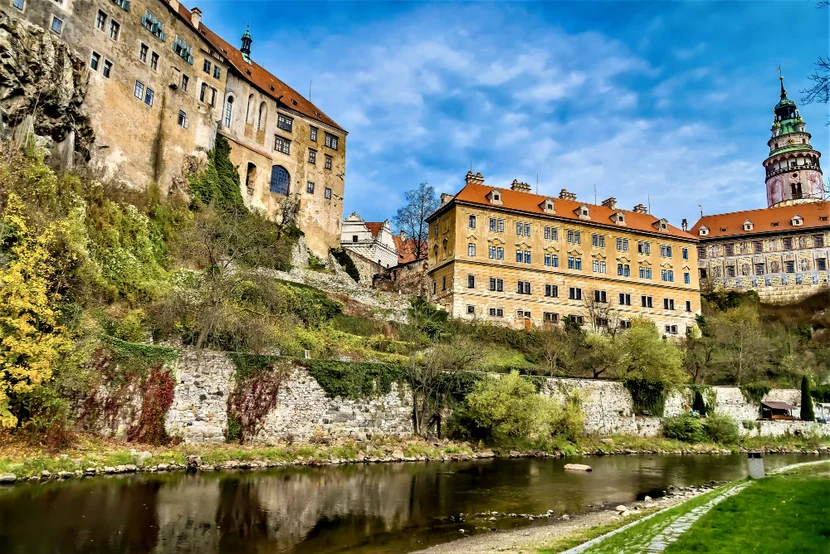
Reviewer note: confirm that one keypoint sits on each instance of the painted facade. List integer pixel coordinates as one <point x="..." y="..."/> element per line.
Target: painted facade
<point x="520" y="259"/>
<point x="780" y="251"/>
<point x="162" y="85"/>
<point x="371" y="240"/>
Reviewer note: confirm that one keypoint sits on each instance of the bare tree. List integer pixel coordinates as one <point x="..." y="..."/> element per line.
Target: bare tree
<point x="555" y="350"/>
<point x="410" y="219"/>
<point x="601" y="316"/>
<point x="819" y="92"/>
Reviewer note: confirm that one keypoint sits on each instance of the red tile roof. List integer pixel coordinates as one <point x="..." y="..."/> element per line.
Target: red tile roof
<point x="765" y="220"/>
<point x="474" y="193"/>
<point x="374" y="227"/>
<point x="259" y="76"/>
<point x="406" y="250"/>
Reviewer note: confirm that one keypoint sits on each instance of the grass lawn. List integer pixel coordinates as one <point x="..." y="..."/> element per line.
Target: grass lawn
<point x="783" y="514"/>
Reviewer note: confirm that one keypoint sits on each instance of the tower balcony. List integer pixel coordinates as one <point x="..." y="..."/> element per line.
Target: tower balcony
<point x="772" y="172"/>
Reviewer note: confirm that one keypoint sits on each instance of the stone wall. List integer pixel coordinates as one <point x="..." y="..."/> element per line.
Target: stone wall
<point x="304" y="412"/>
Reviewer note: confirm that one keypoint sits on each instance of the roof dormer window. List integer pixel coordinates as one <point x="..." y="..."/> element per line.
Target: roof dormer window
<point x="748" y="225"/>
<point x="704" y="231"/>
<point x="797" y="221"/>
<point x="547" y="206"/>
<point x="494" y="196"/>
<point x="661" y="224"/>
<point x="583" y="212"/>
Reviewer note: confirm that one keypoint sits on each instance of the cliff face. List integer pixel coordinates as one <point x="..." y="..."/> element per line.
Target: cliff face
<point x="42" y="88"/>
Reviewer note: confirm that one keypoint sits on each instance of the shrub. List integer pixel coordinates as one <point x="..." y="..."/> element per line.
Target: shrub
<point x="755" y="392"/>
<point x="354" y="380"/>
<point x="218" y="183"/>
<point x="342" y="257"/>
<point x="648" y="397"/>
<point x="684" y="427"/>
<point x="356" y="325"/>
<point x="721" y="429"/>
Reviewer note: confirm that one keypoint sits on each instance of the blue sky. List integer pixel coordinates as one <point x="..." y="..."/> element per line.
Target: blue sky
<point x="671" y="100"/>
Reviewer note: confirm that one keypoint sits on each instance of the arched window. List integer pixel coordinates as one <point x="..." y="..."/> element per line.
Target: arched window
<point x="250" y="178"/>
<point x="249" y="115"/>
<point x="280" y="180"/>
<point x="228" y="111"/>
<point x="263" y="116"/>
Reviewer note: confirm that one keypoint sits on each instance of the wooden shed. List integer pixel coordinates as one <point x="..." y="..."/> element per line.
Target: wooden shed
<point x="776" y="410"/>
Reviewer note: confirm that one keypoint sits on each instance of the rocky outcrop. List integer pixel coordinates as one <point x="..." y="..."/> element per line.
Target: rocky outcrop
<point x="42" y="88"/>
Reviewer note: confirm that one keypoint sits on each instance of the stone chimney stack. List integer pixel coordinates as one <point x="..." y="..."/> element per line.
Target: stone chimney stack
<point x="175" y="5"/>
<point x="445" y="198"/>
<point x="565" y="195"/>
<point x="610" y="203"/>
<point x="519" y="187"/>
<point x="685" y="224"/>
<point x="640" y="209"/>
<point x="477" y="179"/>
<point x="196" y="17"/>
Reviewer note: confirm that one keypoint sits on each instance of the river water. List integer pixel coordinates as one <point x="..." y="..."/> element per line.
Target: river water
<point x="388" y="508"/>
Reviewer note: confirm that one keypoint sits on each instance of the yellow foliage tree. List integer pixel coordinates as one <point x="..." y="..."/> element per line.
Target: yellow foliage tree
<point x="31" y="340"/>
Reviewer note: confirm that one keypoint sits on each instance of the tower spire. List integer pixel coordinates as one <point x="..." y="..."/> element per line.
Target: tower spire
<point x="781" y="78"/>
<point x="246" y="44"/>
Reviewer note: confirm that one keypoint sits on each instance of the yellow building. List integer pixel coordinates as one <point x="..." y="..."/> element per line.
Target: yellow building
<point x="520" y="259"/>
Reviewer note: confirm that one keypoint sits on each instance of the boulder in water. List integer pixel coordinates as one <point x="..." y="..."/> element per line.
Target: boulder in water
<point x="578" y="467"/>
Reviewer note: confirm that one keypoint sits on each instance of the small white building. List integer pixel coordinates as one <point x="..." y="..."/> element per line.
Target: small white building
<point x="371" y="240"/>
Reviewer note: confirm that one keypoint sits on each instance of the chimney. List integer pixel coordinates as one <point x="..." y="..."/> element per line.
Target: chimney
<point x="196" y="17"/>
<point x="175" y="5"/>
<point x="565" y="195"/>
<point x="477" y="179"/>
<point x="685" y="224"/>
<point x="519" y="187"/>
<point x="403" y="234"/>
<point x="610" y="203"/>
<point x="640" y="209"/>
<point x="445" y="198"/>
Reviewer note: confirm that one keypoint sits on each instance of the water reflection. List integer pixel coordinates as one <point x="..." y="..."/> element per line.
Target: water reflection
<point x="377" y="508"/>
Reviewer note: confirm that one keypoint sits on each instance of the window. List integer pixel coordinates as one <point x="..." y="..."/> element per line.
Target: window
<point x="154" y="62"/>
<point x="285" y="123"/>
<point x="701" y="253"/>
<point x="282" y="145"/>
<point x="262" y="118"/>
<point x="625" y="299"/>
<point x="471" y="249"/>
<point x="123" y="4"/>
<point x="443" y="283"/>
<point x="666" y="250"/>
<point x="312" y="156"/>
<point x="523" y="287"/>
<point x="471" y="309"/>
<point x="312" y="134"/>
<point x="625" y="324"/>
<point x="703" y="274"/>
<point x="643" y="247"/>
<point x="788" y="244"/>
<point x="671" y="329"/>
<point x="331" y="141"/>
<point x="156" y="27"/>
<point x="523" y="229"/>
<point x="552" y="291"/>
<point x="280" y="180"/>
<point x="667" y="275"/>
<point x="646" y="301"/>
<point x="203" y="92"/>
<point x="821" y="264"/>
<point x="549" y="317"/>
<point x="182" y="49"/>
<point x="228" y="111"/>
<point x="115" y="29"/>
<point x="573" y="237"/>
<point x="527" y="256"/>
<point x="101" y="21"/>
<point x="730" y="271"/>
<point x="759" y="269"/>
<point x="598" y="241"/>
<point x="622" y="245"/>
<point x="328" y="162"/>
<point x="599" y="266"/>
<point x="309" y="187"/>
<point x="435" y="231"/>
<point x="217" y="72"/>
<point x="580" y="320"/>
<point x="327" y="193"/>
<point x="645" y="272"/>
<point x="818" y="241"/>
<point x="95" y="61"/>
<point x="496" y="253"/>
<point x="668" y="303"/>
<point x="183" y="119"/>
<point x="687" y="278"/>
<point x="149" y="96"/>
<point x="142" y="53"/>
<point x="496" y="225"/>
<point x="758" y="246"/>
<point x="688" y="305"/>
<point x="18" y="4"/>
<point x="206" y="66"/>
<point x="471" y="281"/>
<point x="623" y="270"/>
<point x="685" y="253"/>
<point x="730" y="250"/>
<point x="354" y="238"/>
<point x="496" y="285"/>
<point x="575" y="263"/>
<point x="600" y="296"/>
<point x="57" y="25"/>
<point x="139" y="90"/>
<point x="575" y="293"/>
<point x="185" y="82"/>
<point x="551" y="260"/>
<point x="497" y="312"/>
<point x="790" y="267"/>
<point x="107" y="69"/>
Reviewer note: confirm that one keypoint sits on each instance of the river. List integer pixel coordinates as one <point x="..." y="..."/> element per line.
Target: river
<point x="388" y="508"/>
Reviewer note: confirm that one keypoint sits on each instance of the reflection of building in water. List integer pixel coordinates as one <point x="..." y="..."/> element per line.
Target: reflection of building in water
<point x="780" y="251"/>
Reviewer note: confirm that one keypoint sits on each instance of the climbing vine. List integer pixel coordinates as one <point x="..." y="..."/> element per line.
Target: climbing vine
<point x="157" y="399"/>
<point x="755" y="392"/>
<point x="355" y="380"/>
<point x="702" y="398"/>
<point x="648" y="397"/>
<point x="255" y="393"/>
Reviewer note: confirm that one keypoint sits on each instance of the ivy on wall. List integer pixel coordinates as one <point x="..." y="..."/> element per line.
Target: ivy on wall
<point x="755" y="392"/>
<point x="258" y="379"/>
<point x="648" y="397"/>
<point x="355" y="380"/>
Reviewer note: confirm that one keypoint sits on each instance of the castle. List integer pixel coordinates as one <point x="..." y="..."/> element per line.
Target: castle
<point x="158" y="86"/>
<point x="780" y="251"/>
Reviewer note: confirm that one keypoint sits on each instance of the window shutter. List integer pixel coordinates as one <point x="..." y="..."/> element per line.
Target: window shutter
<point x="126" y="5"/>
<point x="163" y="36"/>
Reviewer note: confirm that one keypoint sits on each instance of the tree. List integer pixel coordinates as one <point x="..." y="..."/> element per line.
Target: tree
<point x="740" y="342"/>
<point x="807" y="412"/>
<point x="644" y="355"/>
<point x="601" y="354"/>
<point x="554" y="350"/>
<point x="697" y="355"/>
<point x="601" y="315"/>
<point x="820" y="89"/>
<point x="411" y="218"/>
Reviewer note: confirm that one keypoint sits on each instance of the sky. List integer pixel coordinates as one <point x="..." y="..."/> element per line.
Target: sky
<point x="666" y="102"/>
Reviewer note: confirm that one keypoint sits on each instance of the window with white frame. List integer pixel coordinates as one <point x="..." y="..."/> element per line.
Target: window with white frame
<point x="552" y="291"/>
<point x="551" y="260"/>
<point x="471" y="249"/>
<point x="183" y="119"/>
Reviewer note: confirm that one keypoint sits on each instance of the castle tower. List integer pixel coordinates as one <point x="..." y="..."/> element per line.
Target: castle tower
<point x="793" y="171"/>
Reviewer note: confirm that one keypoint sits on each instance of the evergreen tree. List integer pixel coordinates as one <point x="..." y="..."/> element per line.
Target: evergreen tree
<point x="699" y="405"/>
<point x="807" y="412"/>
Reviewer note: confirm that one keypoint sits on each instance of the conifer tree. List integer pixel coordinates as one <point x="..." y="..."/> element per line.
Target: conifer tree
<point x="807" y="412"/>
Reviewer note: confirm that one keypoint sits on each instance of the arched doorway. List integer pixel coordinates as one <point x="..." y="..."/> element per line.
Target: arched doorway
<point x="280" y="180"/>
<point x="250" y="178"/>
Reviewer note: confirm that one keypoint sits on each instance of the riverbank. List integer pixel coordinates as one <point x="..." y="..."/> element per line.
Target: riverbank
<point x="91" y="456"/>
